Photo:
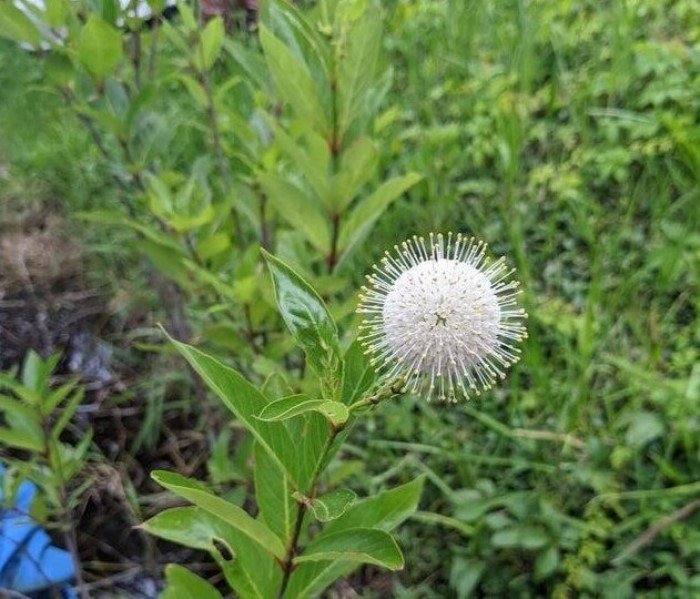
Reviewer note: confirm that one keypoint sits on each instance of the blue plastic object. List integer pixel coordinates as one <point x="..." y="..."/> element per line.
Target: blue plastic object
<point x="29" y="563"/>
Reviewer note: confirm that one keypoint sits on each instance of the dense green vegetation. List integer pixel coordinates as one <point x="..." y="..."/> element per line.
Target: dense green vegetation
<point x="565" y="134"/>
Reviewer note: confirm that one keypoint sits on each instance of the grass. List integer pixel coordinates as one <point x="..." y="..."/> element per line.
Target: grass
<point x="565" y="134"/>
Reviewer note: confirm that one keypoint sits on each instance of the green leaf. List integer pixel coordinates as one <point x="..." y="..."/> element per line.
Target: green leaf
<point x="50" y="403"/>
<point x="31" y="397"/>
<point x="246" y="402"/>
<point x="384" y="511"/>
<point x="359" y="374"/>
<point x="36" y="372"/>
<point x="195" y="89"/>
<point x="288" y="407"/>
<point x="299" y="209"/>
<point x="213" y="245"/>
<point x="358" y="165"/>
<point x="309" y="321"/>
<point x="362" y="218"/>
<point x="228" y="512"/>
<point x="251" y="572"/>
<point x="357" y="69"/>
<point x="312" y="163"/>
<point x="546" y="563"/>
<point x="293" y="81"/>
<point x="644" y="427"/>
<point x="56" y="11"/>
<point x="465" y="575"/>
<point x="329" y="506"/>
<point x="58" y="69"/>
<point x="362" y="545"/>
<point x="69" y="410"/>
<point x="99" y="47"/>
<point x="20" y="440"/>
<point x="522" y="536"/>
<point x="273" y="495"/>
<point x="310" y="432"/>
<point x="183" y="584"/>
<point x="13" y="407"/>
<point x="212" y="38"/>
<point x="16" y="26"/>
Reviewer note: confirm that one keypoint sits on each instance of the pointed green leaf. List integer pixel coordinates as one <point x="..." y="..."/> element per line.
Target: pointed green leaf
<point x="293" y="81"/>
<point x="99" y="47"/>
<point x="16" y="26"/>
<point x="246" y="402"/>
<point x="228" y="512"/>
<point x="212" y="37"/>
<point x="20" y="440"/>
<point x="13" y="407"/>
<point x="362" y="545"/>
<point x="299" y="209"/>
<point x="362" y="218"/>
<point x="312" y="162"/>
<point x="358" y="165"/>
<point x="69" y="410"/>
<point x="357" y="69"/>
<point x="309" y="321"/>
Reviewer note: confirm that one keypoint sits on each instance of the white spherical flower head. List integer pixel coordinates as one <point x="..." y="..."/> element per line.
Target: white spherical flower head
<point x="438" y="313"/>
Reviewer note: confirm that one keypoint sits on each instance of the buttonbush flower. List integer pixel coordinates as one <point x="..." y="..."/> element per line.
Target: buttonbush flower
<point x="440" y="315"/>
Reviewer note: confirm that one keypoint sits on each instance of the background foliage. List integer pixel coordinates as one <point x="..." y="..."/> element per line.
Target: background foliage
<point x="565" y="134"/>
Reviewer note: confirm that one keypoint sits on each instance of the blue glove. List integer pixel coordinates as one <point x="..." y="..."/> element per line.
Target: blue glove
<point x="28" y="562"/>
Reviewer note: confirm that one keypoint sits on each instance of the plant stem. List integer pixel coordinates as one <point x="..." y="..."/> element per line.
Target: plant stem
<point x="335" y="150"/>
<point x="69" y="535"/>
<point x="396" y="387"/>
<point x="288" y="563"/>
<point x="222" y="165"/>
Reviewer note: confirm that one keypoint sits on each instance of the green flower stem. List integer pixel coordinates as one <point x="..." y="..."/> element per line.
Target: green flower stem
<point x="395" y="388"/>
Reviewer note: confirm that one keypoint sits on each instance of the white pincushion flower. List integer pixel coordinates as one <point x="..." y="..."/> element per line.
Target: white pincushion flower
<point x="440" y="313"/>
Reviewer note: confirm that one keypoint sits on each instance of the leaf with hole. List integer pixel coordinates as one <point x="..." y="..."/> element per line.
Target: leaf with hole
<point x="248" y="568"/>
